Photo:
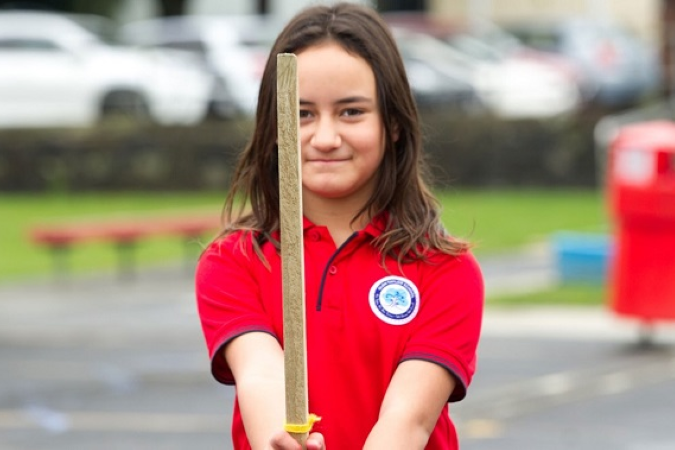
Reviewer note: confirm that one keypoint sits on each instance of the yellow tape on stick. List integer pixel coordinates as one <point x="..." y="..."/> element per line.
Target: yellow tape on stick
<point x="303" y="427"/>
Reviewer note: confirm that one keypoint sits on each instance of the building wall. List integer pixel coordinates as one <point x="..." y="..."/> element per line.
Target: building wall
<point x="641" y="16"/>
<point x="141" y="9"/>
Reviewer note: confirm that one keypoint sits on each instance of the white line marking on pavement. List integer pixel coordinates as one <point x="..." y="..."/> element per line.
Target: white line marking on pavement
<point x="543" y="392"/>
<point x="616" y="383"/>
<point x="555" y="384"/>
<point x="481" y="429"/>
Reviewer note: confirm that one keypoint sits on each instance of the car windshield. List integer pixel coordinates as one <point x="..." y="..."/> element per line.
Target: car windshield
<point x="545" y="40"/>
<point x="100" y="27"/>
<point x="475" y="48"/>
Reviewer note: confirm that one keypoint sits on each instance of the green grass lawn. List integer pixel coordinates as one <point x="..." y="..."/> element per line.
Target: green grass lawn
<point x="573" y="295"/>
<point x="499" y="220"/>
<point x="21" y="259"/>
<point x="496" y="220"/>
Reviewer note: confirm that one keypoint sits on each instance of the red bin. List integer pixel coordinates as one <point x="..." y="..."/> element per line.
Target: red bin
<point x="641" y="178"/>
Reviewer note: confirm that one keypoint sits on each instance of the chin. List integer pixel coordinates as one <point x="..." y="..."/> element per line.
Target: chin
<point x="332" y="195"/>
<point x="325" y="188"/>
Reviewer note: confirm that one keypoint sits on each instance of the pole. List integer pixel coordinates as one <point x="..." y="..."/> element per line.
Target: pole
<point x="290" y="221"/>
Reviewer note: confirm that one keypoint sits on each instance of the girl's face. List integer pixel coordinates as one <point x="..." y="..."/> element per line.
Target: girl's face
<point x="341" y="129"/>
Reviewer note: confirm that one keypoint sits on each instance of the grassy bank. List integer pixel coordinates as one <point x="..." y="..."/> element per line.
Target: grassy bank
<point x="496" y="220"/>
<point x="572" y="295"/>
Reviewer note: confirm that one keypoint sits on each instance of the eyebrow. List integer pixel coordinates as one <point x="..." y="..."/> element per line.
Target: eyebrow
<point x="343" y="101"/>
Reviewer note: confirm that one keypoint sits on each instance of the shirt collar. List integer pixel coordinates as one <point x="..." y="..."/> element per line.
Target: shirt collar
<point x="374" y="228"/>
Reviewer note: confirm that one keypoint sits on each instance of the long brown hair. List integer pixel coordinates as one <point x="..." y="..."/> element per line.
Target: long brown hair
<point x="413" y="224"/>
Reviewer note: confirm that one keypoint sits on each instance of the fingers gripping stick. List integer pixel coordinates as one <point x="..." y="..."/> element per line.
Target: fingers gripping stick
<point x="298" y="421"/>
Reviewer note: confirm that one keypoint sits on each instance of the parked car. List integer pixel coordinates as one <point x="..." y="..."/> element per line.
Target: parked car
<point x="444" y="82"/>
<point x="54" y="71"/>
<point x="519" y="84"/>
<point x="232" y="48"/>
<point x="617" y="68"/>
<point x="510" y="85"/>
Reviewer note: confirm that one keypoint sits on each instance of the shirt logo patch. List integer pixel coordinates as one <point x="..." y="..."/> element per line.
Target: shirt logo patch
<point x="394" y="300"/>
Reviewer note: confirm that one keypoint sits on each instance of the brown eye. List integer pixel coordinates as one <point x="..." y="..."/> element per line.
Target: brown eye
<point x="352" y="112"/>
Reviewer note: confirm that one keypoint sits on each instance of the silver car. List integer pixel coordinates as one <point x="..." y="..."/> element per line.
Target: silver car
<point x="234" y="49"/>
<point x="618" y="68"/>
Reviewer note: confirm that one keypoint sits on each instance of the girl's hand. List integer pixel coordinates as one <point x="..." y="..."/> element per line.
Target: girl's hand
<point x="284" y="441"/>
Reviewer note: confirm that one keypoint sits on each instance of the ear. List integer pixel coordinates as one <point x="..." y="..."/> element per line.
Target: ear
<point x="395" y="132"/>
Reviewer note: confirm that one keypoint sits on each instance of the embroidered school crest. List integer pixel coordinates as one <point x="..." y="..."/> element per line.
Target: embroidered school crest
<point x="394" y="300"/>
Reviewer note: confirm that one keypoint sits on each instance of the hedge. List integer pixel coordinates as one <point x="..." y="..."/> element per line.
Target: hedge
<point x="461" y="151"/>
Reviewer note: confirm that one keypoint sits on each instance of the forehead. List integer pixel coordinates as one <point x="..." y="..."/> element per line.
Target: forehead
<point x="330" y="66"/>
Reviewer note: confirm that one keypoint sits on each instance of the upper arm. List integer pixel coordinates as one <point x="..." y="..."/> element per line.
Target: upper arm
<point x="230" y="302"/>
<point x="412" y="406"/>
<point x="447" y="329"/>
<point x="257" y="363"/>
<point x="418" y="392"/>
<point x="254" y="357"/>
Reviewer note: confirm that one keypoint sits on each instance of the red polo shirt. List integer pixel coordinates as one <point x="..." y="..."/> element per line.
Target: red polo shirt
<point x="362" y="321"/>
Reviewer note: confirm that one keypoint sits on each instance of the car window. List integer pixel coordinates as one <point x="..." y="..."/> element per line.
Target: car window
<point x="474" y="47"/>
<point x="545" y="40"/>
<point x="193" y="46"/>
<point x="25" y="44"/>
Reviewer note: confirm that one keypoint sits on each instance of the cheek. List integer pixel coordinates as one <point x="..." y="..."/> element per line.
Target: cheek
<point x="369" y="137"/>
<point x="370" y="146"/>
<point x="304" y="137"/>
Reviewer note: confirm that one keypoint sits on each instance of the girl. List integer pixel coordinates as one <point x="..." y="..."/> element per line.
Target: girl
<point x="394" y="304"/>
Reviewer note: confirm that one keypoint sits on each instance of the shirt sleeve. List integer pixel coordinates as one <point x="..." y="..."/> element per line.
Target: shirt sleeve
<point x="228" y="300"/>
<point x="448" y="326"/>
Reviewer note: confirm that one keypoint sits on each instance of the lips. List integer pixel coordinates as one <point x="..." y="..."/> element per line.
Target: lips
<point x="327" y="160"/>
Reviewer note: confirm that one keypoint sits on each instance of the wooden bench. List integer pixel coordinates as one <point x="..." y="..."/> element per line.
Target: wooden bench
<point x="124" y="234"/>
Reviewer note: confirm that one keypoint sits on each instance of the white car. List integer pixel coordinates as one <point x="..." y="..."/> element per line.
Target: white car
<point x="56" y="72"/>
<point x="510" y="86"/>
<point x="233" y="48"/>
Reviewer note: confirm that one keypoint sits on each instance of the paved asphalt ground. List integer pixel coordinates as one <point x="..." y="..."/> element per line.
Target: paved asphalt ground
<point x="99" y="363"/>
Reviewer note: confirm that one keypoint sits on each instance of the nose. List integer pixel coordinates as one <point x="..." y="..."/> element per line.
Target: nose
<point x="325" y="135"/>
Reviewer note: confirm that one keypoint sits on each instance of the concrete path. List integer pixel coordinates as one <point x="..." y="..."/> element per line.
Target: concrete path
<point x="97" y="363"/>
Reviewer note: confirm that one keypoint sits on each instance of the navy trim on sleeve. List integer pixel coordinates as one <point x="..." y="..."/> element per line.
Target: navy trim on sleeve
<point x="460" y="387"/>
<point x="219" y="368"/>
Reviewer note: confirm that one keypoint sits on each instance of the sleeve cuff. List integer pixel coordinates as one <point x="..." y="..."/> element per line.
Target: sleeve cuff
<point x="219" y="367"/>
<point x="462" y="382"/>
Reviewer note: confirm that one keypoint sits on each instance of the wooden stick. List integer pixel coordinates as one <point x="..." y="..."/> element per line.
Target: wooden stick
<point x="292" y="260"/>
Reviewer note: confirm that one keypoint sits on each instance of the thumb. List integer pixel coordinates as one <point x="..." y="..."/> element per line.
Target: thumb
<point x="283" y="441"/>
<point x="315" y="441"/>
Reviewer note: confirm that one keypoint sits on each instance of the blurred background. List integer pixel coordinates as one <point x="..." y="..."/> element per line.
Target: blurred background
<point x="168" y="88"/>
<point x="76" y="75"/>
<point x="120" y="124"/>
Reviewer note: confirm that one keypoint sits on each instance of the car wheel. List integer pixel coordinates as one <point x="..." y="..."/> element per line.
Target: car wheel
<point x="125" y="105"/>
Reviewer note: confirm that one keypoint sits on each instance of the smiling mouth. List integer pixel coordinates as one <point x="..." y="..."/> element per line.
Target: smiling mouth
<point x="327" y="160"/>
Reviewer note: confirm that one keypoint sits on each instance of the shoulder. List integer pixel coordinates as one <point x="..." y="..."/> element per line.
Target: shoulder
<point x="463" y="261"/>
<point x="462" y="271"/>
<point x="231" y="243"/>
<point x="235" y="249"/>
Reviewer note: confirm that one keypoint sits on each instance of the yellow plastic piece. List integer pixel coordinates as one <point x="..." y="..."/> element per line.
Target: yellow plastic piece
<point x="302" y="427"/>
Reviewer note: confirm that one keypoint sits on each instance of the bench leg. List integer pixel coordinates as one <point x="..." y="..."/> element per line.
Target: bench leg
<point x="126" y="259"/>
<point x="189" y="258"/>
<point x="61" y="263"/>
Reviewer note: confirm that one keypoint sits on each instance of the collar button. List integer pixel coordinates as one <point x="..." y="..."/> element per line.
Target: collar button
<point x="314" y="235"/>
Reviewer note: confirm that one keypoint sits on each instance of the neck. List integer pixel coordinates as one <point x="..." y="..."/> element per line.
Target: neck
<point x="335" y="214"/>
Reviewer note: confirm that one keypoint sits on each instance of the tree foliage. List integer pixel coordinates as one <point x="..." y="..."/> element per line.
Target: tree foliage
<point x="100" y="7"/>
<point x="172" y="7"/>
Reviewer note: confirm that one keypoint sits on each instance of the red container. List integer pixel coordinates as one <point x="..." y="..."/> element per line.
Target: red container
<point x="641" y="177"/>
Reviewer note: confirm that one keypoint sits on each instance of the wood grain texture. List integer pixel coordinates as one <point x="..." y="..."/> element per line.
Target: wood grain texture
<point x="290" y="207"/>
